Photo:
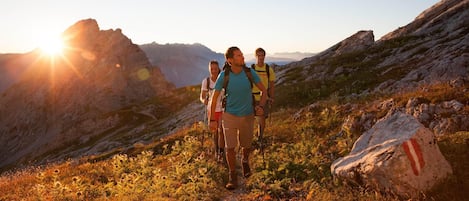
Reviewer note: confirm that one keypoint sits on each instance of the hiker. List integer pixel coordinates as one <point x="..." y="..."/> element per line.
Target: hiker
<point x="267" y="75"/>
<point x="215" y="124"/>
<point x="239" y="109"/>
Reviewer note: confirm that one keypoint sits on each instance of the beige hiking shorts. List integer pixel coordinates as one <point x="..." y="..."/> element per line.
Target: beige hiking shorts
<point x="238" y="130"/>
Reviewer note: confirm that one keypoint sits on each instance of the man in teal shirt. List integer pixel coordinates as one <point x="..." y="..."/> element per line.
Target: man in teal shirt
<point x="238" y="117"/>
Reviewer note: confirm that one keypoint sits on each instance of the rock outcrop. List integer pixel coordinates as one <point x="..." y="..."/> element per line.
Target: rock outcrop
<point x="397" y="155"/>
<point x="441" y="118"/>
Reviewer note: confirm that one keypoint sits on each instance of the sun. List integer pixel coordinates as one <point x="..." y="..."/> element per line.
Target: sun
<point x="51" y="45"/>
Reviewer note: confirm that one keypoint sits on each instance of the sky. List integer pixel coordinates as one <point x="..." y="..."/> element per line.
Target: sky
<point x="276" y="25"/>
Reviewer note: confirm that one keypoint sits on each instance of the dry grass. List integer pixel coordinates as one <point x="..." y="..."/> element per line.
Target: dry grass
<point x="295" y="164"/>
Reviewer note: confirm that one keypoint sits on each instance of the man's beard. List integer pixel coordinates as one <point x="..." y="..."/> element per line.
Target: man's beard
<point x="241" y="64"/>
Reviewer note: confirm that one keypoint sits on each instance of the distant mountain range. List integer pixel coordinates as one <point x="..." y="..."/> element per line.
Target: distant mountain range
<point x="187" y="64"/>
<point x="182" y="64"/>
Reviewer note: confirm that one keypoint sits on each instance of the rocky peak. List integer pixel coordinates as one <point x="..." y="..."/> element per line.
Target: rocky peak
<point x="430" y="50"/>
<point x="60" y="100"/>
<point x="430" y="20"/>
<point x="356" y="42"/>
<point x="83" y="30"/>
<point x="433" y="48"/>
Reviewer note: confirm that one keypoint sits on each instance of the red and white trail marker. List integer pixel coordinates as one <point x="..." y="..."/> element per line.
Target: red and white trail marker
<point x="414" y="153"/>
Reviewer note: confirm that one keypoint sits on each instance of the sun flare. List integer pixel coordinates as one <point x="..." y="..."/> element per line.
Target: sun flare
<point x="52" y="45"/>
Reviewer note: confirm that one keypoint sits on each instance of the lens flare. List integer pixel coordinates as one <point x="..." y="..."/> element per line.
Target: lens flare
<point x="143" y="74"/>
<point x="52" y="46"/>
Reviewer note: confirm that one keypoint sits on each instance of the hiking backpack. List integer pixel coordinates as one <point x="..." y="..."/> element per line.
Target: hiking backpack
<point x="226" y="78"/>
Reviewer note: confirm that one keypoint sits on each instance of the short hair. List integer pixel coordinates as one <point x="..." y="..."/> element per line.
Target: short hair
<point x="230" y="52"/>
<point x="259" y="50"/>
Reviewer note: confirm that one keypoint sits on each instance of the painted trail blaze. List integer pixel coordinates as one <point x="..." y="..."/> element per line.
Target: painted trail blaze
<point x="414" y="153"/>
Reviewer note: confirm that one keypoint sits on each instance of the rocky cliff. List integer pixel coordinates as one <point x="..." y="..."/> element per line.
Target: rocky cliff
<point x="67" y="100"/>
<point x="431" y="49"/>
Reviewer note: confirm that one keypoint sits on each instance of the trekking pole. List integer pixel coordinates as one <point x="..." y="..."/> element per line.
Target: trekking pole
<point x="262" y="151"/>
<point x="206" y="120"/>
<point x="270" y="119"/>
<point x="215" y="139"/>
<point x="204" y="127"/>
<point x="261" y="132"/>
<point x="261" y="142"/>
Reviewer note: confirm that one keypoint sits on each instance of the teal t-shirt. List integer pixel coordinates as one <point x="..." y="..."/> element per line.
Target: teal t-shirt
<point x="239" y="99"/>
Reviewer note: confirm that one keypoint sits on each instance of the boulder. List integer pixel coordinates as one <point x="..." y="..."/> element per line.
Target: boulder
<point x="398" y="155"/>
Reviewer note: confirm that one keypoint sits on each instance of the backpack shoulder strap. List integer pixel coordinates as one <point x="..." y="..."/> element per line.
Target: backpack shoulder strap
<point x="267" y="70"/>
<point x="226" y="78"/>
<point x="251" y="80"/>
<point x="249" y="74"/>
<point x="208" y="83"/>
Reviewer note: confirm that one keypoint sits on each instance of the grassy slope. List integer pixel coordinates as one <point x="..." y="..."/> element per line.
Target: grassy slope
<point x="295" y="164"/>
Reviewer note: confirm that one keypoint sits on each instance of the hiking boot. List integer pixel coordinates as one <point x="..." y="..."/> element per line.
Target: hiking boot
<point x="246" y="170"/>
<point x="233" y="181"/>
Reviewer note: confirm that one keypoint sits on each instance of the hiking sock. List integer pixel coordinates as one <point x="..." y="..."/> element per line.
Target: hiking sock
<point x="246" y="169"/>
<point x="245" y="163"/>
<point x="231" y="161"/>
<point x="232" y="181"/>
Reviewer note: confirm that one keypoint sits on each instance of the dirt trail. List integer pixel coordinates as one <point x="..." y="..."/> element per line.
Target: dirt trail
<point x="236" y="194"/>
